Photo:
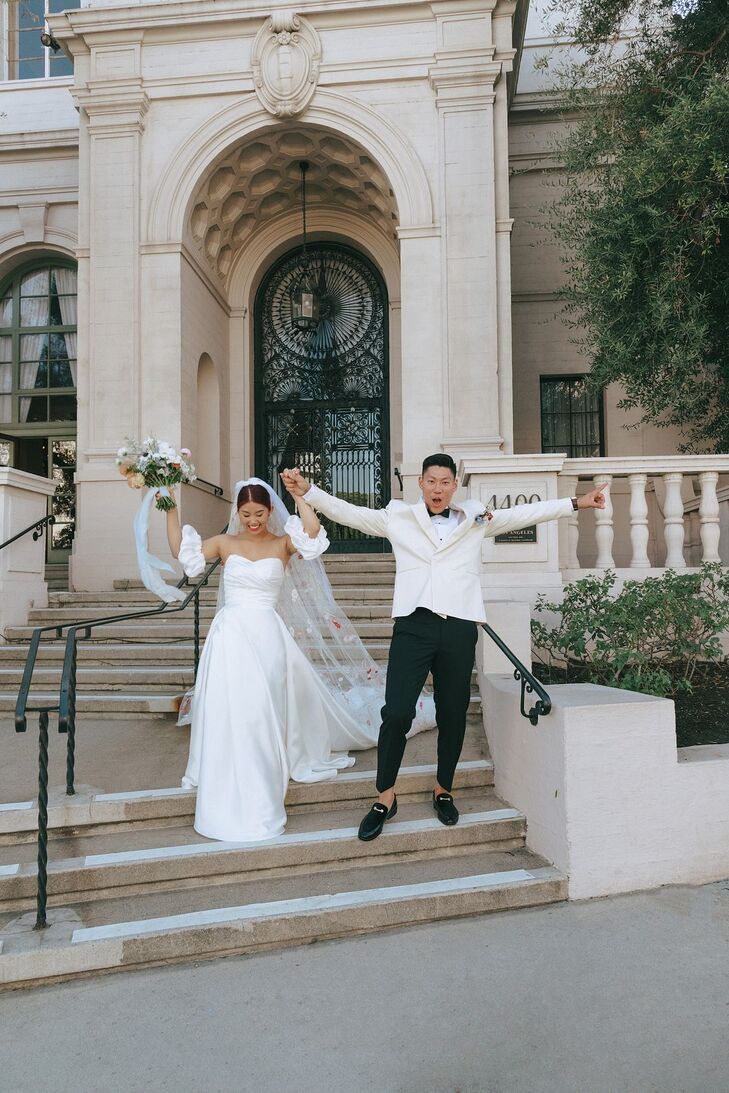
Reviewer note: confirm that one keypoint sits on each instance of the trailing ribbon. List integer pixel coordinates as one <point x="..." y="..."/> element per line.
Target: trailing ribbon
<point x="148" y="564"/>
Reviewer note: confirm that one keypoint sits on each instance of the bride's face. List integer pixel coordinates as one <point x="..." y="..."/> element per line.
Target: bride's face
<point x="253" y="518"/>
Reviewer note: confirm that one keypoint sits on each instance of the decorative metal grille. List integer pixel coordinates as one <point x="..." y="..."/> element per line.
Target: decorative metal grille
<point x="321" y="395"/>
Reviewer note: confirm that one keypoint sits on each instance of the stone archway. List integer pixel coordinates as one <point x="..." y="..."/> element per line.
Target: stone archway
<point x="340" y="115"/>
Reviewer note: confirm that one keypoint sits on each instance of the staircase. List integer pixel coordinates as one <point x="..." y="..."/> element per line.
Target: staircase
<point x="130" y="882"/>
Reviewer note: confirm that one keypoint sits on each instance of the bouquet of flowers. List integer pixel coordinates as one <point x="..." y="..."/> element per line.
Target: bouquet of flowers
<point x="155" y="463"/>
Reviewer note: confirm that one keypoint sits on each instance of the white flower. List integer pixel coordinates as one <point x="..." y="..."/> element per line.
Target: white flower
<point x="294" y="595"/>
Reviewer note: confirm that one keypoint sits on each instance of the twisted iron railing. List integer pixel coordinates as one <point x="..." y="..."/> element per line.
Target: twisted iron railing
<point x="529" y="682"/>
<point x="37" y="528"/>
<point x="66" y="706"/>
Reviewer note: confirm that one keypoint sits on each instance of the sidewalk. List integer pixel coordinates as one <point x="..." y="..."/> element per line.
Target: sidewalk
<point x="627" y="995"/>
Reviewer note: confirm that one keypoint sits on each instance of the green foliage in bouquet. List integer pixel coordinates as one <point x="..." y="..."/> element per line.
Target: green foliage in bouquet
<point x="642" y="212"/>
<point x="652" y="637"/>
<point x="155" y="463"/>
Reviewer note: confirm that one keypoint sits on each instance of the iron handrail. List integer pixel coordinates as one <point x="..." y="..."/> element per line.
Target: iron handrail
<point x="529" y="682"/>
<point x="218" y="491"/>
<point x="58" y="629"/>
<point x="66" y="709"/>
<point x="37" y="528"/>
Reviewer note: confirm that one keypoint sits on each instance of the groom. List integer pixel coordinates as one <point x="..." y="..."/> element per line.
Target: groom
<point x="436" y="606"/>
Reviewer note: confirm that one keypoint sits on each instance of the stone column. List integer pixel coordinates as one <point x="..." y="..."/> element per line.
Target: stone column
<point x="112" y="105"/>
<point x="421" y="328"/>
<point x="473" y="202"/>
<point x="23" y="500"/>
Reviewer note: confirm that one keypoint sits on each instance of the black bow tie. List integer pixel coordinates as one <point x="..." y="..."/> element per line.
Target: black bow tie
<point x="445" y="512"/>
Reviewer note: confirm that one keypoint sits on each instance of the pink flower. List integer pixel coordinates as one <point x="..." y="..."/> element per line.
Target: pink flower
<point x="185" y="451"/>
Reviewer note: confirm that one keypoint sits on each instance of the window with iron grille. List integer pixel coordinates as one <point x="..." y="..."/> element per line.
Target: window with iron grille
<point x="572" y="417"/>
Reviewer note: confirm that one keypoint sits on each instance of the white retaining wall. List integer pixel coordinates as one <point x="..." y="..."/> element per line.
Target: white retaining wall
<point x="609" y="798"/>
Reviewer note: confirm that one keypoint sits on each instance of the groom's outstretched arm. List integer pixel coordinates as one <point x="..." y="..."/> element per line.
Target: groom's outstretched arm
<point x="523" y="516"/>
<point x="370" y="521"/>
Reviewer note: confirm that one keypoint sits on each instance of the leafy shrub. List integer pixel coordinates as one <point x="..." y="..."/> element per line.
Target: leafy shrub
<point x="650" y="637"/>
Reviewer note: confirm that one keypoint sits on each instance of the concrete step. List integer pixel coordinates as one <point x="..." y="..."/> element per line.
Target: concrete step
<point x="124" y="677"/>
<point x="172" y="629"/>
<point x="128" y="862"/>
<point x="124" y="704"/>
<point x="138" y="599"/>
<point x="353" y="573"/>
<point x="90" y="812"/>
<point x="113" y="706"/>
<point x="151" y="651"/>
<point x="257" y="913"/>
<point x="49" y="616"/>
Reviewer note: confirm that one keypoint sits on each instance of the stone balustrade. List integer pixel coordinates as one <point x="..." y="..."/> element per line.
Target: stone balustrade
<point x="662" y="511"/>
<point x="670" y="513"/>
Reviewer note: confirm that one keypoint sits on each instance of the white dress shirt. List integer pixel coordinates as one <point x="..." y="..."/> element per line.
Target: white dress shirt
<point x="443" y="526"/>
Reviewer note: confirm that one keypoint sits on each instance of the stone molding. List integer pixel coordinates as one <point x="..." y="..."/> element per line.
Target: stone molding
<point x="285" y="60"/>
<point x="465" y="81"/>
<point x="114" y="108"/>
<point x="341" y="114"/>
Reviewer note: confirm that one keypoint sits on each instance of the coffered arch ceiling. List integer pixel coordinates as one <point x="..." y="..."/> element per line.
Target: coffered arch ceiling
<point x="261" y="180"/>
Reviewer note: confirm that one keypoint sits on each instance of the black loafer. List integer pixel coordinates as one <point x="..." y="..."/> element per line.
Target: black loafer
<point x="445" y="810"/>
<point x="374" y="821"/>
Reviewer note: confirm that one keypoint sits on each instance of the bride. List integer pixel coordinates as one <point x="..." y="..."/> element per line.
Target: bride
<point x="261" y="712"/>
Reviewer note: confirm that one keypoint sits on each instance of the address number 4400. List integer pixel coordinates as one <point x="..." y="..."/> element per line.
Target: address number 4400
<point x="506" y="502"/>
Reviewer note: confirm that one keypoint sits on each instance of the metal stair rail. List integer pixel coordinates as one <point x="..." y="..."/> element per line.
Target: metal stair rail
<point x="37" y="528"/>
<point x="66" y="707"/>
<point x="529" y="682"/>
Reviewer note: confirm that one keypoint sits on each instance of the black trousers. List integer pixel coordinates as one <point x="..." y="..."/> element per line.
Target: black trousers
<point x="424" y="642"/>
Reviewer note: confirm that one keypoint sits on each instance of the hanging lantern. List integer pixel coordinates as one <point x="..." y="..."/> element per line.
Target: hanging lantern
<point x="305" y="300"/>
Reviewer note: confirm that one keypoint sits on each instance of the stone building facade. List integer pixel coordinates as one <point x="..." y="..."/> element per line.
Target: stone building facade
<point x="164" y="172"/>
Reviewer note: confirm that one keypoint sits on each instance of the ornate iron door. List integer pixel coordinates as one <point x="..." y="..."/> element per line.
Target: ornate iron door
<point x="322" y="395"/>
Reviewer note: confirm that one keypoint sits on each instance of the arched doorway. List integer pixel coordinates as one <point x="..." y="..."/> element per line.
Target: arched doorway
<point x="322" y="396"/>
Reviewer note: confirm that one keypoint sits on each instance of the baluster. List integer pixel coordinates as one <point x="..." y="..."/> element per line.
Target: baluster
<point x="709" y="517"/>
<point x="638" y="521"/>
<point x="573" y="538"/>
<point x="569" y="529"/>
<point x="673" y="526"/>
<point x="604" y="533"/>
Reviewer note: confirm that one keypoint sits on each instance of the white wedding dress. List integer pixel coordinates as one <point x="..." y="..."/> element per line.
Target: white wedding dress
<point x="260" y="714"/>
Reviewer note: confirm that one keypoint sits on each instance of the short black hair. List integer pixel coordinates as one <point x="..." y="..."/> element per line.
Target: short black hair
<point x="440" y="459"/>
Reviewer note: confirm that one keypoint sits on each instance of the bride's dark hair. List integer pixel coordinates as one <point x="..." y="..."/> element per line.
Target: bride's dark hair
<point x="258" y="494"/>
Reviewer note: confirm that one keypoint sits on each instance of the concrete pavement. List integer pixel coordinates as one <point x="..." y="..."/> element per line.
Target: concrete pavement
<point x="626" y="995"/>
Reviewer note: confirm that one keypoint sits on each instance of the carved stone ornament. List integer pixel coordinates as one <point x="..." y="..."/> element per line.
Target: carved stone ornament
<point x="286" y="57"/>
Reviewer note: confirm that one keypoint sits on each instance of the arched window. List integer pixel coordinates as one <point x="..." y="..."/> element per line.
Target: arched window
<point x="38" y="344"/>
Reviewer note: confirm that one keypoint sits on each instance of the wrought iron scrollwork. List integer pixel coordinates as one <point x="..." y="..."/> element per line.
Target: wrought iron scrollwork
<point x="322" y="398"/>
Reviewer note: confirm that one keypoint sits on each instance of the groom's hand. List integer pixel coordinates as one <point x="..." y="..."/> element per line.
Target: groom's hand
<point x="595" y="499"/>
<point x="295" y="482"/>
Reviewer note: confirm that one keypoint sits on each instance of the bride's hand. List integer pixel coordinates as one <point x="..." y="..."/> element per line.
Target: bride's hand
<point x="295" y="482"/>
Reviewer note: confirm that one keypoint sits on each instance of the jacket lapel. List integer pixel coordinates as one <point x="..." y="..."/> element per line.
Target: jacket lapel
<point x="421" y="515"/>
<point x="458" y="533"/>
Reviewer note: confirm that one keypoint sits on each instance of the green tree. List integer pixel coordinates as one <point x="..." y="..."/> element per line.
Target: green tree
<point x="643" y="208"/>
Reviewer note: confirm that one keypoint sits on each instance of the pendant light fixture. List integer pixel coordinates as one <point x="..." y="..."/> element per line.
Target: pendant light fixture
<point x="305" y="302"/>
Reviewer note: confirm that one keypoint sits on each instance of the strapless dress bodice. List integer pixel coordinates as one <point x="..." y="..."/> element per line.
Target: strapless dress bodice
<point x="250" y="584"/>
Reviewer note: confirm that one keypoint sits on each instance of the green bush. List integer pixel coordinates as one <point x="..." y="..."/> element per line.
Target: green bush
<point x="651" y="637"/>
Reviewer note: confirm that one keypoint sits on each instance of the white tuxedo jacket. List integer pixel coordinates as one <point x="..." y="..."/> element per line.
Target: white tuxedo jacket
<point x="446" y="576"/>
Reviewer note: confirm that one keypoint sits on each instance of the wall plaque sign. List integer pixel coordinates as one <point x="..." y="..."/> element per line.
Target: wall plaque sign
<point x="523" y="535"/>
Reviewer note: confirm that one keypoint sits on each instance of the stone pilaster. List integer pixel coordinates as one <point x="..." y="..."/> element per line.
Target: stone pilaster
<point x="112" y="105"/>
<point x="470" y="96"/>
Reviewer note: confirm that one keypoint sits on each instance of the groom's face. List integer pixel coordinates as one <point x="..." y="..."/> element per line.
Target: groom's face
<point x="438" y="486"/>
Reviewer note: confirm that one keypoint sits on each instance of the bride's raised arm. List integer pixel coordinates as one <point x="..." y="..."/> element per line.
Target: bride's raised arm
<point x="304" y="534"/>
<point x="187" y="545"/>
